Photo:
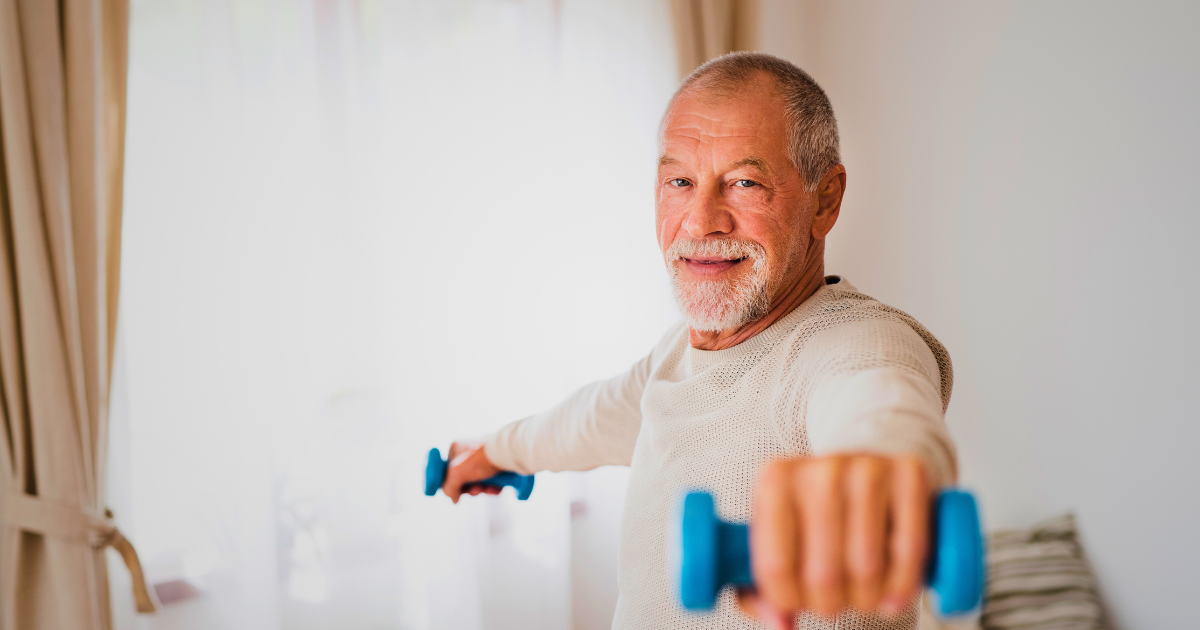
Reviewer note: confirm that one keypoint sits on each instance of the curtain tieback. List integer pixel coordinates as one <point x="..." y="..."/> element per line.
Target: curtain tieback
<point x="71" y="522"/>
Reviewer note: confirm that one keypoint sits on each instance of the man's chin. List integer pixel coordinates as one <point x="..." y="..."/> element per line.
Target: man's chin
<point x="716" y="322"/>
<point x="706" y="326"/>
<point x="715" y="306"/>
<point x="709" y="315"/>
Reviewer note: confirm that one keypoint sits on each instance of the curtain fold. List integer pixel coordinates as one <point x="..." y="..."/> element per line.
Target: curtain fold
<point x="62" y="110"/>
<point x="705" y="29"/>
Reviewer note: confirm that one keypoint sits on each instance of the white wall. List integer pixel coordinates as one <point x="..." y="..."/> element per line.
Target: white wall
<point x="1022" y="179"/>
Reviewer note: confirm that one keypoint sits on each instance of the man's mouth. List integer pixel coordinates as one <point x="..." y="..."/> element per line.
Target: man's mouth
<point x="706" y="266"/>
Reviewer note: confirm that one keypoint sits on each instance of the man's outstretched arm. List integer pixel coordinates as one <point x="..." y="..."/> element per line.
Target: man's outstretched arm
<point x="849" y="526"/>
<point x="596" y="426"/>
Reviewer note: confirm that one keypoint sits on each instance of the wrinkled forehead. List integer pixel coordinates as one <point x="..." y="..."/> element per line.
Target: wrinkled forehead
<point x="753" y="116"/>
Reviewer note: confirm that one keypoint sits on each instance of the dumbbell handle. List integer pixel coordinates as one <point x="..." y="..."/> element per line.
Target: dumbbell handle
<point x="435" y="475"/>
<point x="716" y="553"/>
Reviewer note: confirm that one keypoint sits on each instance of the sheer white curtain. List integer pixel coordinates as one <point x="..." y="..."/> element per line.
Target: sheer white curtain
<point x="355" y="230"/>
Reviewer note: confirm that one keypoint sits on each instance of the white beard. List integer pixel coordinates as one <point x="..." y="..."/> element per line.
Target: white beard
<point x="714" y="305"/>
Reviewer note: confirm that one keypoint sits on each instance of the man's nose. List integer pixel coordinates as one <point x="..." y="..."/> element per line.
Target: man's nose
<point x="709" y="215"/>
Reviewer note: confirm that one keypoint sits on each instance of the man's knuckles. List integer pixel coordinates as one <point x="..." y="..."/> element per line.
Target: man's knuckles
<point x="781" y="590"/>
<point x="775" y="565"/>
<point x="824" y="581"/>
<point x="865" y="597"/>
<point x="909" y="470"/>
<point x="853" y="493"/>
<point x="456" y="449"/>
<point x="865" y="568"/>
<point x="827" y="469"/>
<point x="775" y="477"/>
<point x="906" y="557"/>
<point x="818" y="482"/>
<point x="865" y="577"/>
<point x="868" y="469"/>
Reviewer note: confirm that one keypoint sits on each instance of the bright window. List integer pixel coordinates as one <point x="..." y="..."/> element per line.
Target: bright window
<point x="353" y="231"/>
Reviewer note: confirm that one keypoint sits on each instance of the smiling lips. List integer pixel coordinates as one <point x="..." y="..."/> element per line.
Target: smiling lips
<point x="705" y="266"/>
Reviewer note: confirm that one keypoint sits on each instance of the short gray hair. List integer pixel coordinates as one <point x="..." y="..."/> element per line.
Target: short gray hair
<point x="812" y="141"/>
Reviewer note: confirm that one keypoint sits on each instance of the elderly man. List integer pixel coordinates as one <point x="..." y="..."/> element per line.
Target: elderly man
<point x="809" y="408"/>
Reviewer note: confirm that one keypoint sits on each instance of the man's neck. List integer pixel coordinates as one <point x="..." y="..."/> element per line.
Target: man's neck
<point x="812" y="279"/>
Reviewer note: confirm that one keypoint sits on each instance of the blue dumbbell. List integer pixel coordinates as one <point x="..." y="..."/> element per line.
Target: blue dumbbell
<point x="716" y="553"/>
<point x="435" y="475"/>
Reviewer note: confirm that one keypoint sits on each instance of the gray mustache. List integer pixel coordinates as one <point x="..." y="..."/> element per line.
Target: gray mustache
<point x="727" y="248"/>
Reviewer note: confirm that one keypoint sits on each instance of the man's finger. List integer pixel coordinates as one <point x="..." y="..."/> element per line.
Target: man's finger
<point x="453" y="485"/>
<point x="753" y="605"/>
<point x="459" y="474"/>
<point x="908" y="546"/>
<point x="774" y="539"/>
<point x="867" y="493"/>
<point x="476" y="489"/>
<point x="819" y="495"/>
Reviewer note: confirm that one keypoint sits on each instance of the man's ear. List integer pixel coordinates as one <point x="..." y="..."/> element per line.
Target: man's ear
<point x="828" y="201"/>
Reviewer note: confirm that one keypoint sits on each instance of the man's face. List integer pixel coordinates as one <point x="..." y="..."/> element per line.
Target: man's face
<point x="733" y="218"/>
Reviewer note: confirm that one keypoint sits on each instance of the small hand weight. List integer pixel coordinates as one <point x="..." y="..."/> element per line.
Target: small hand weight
<point x="716" y="553"/>
<point x="435" y="475"/>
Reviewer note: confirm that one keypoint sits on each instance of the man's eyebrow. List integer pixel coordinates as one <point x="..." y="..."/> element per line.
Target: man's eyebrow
<point x="752" y="160"/>
<point x="666" y="160"/>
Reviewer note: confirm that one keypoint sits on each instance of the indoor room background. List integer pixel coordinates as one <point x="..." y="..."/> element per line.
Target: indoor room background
<point x="329" y="204"/>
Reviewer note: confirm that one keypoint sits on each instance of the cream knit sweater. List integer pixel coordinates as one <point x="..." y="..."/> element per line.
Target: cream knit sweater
<point x="842" y="372"/>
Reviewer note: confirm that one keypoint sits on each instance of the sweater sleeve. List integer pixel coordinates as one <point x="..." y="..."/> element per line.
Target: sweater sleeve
<point x="886" y="400"/>
<point x="596" y="426"/>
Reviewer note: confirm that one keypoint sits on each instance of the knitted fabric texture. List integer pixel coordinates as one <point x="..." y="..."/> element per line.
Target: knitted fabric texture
<point x="685" y="418"/>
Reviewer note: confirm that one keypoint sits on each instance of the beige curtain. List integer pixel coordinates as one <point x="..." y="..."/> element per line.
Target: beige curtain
<point x="62" y="117"/>
<point x="710" y="28"/>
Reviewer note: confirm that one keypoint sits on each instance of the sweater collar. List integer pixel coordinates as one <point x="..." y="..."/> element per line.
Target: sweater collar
<point x="702" y="359"/>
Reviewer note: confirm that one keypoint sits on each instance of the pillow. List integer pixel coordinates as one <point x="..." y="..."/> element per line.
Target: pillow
<point x="1037" y="579"/>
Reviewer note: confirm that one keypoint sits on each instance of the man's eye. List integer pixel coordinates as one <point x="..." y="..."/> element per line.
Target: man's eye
<point x="679" y="182"/>
<point x="745" y="183"/>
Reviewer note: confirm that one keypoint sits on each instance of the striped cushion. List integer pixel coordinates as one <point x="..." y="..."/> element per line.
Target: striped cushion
<point x="1039" y="580"/>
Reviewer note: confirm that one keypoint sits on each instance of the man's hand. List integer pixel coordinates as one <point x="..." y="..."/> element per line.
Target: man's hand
<point x="837" y="531"/>
<point x="468" y="464"/>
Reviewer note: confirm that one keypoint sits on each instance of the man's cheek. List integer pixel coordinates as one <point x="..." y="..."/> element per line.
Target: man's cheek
<point x="667" y="232"/>
<point x="660" y="226"/>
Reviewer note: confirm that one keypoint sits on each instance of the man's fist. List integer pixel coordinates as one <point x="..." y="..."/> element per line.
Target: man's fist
<point x="837" y="531"/>
<point x="468" y="464"/>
